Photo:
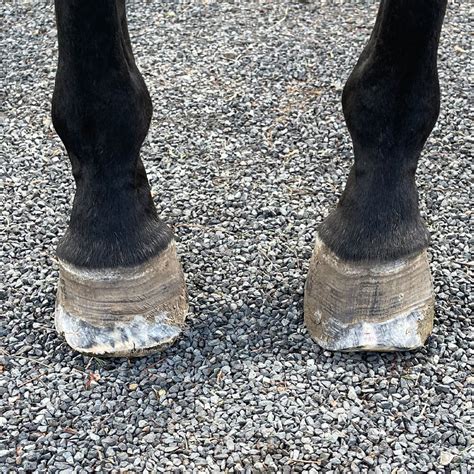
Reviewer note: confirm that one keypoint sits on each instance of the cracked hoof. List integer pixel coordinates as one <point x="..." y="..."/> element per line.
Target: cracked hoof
<point x="360" y="306"/>
<point x="122" y="312"/>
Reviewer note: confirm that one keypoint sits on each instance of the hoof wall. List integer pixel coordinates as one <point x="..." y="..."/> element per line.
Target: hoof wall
<point x="122" y="312"/>
<point x="351" y="306"/>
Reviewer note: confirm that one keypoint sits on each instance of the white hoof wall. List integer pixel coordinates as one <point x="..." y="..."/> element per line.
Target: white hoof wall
<point x="352" y="306"/>
<point x="122" y="312"/>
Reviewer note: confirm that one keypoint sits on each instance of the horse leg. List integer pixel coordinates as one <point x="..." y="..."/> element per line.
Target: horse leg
<point x="121" y="289"/>
<point x="369" y="285"/>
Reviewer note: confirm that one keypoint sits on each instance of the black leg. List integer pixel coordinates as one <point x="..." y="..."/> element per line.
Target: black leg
<point x="369" y="280"/>
<point x="119" y="272"/>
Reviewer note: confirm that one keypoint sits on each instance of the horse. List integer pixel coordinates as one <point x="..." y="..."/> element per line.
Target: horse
<point x="121" y="289"/>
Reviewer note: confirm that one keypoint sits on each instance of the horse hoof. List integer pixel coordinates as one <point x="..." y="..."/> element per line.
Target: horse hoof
<point x="122" y="312"/>
<point x="352" y="306"/>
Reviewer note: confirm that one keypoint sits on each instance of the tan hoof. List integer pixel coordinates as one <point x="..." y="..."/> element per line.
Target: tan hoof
<point x="351" y="306"/>
<point x="122" y="312"/>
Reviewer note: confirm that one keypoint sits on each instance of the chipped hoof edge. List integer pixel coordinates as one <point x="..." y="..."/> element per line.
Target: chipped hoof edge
<point x="122" y="312"/>
<point x="363" y="306"/>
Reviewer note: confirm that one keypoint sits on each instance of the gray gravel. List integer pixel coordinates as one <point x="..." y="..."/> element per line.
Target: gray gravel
<point x="246" y="154"/>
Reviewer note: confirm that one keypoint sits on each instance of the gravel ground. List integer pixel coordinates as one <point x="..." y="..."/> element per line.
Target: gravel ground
<point x="246" y="154"/>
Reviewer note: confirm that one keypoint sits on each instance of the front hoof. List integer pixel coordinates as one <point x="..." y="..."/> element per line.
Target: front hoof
<point x="360" y="306"/>
<point x="122" y="312"/>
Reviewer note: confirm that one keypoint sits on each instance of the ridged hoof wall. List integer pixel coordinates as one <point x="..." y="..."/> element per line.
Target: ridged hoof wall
<point x="122" y="312"/>
<point x="351" y="306"/>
